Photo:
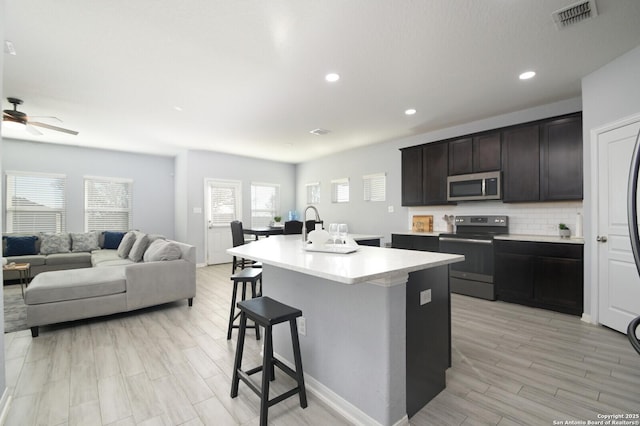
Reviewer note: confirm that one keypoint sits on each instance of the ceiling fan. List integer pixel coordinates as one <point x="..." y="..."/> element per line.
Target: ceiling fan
<point x="19" y="118"/>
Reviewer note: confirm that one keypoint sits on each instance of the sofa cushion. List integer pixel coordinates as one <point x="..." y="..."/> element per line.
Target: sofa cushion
<point x="55" y="243"/>
<point x="125" y="245"/>
<point x="72" y="284"/>
<point x="112" y="239"/>
<point x="108" y="257"/>
<point x="162" y="250"/>
<point x="139" y="247"/>
<point x="68" y="258"/>
<point x="85" y="242"/>
<point x="32" y="259"/>
<point x="19" y="246"/>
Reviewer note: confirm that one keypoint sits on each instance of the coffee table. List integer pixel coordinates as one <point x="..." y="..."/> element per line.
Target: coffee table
<point x="24" y="271"/>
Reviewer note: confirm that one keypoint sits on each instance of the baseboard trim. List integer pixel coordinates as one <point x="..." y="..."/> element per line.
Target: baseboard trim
<point x="5" y="405"/>
<point x="337" y="403"/>
<point x="200" y="265"/>
<point x="587" y="318"/>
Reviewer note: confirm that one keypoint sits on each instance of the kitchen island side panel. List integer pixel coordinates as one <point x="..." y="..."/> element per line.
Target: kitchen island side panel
<point x="428" y="335"/>
<point x="355" y="339"/>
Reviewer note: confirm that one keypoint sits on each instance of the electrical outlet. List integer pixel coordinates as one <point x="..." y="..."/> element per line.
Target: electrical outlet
<point x="425" y="297"/>
<point x="390" y="209"/>
<point x="302" y="325"/>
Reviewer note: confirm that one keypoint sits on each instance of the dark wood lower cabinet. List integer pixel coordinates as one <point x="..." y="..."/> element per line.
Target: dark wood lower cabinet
<point x="544" y="275"/>
<point x="415" y="242"/>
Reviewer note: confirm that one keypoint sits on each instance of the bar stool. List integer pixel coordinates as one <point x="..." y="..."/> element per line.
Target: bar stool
<point x="248" y="275"/>
<point x="267" y="312"/>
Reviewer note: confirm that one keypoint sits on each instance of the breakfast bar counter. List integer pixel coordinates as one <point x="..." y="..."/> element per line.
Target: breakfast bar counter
<point x="376" y="338"/>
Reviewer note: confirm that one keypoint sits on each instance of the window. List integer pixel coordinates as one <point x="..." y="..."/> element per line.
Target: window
<point x="340" y="190"/>
<point x="107" y="204"/>
<point x="313" y="193"/>
<point x="224" y="202"/>
<point x="35" y="202"/>
<point x="375" y="187"/>
<point x="265" y="203"/>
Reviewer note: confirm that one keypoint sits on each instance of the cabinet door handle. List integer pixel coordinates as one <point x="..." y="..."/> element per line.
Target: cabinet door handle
<point x="601" y="239"/>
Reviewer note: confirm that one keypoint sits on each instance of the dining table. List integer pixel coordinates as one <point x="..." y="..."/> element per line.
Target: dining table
<point x="263" y="231"/>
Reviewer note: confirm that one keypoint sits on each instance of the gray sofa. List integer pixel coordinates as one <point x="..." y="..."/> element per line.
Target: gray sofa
<point x="41" y="262"/>
<point x="112" y="285"/>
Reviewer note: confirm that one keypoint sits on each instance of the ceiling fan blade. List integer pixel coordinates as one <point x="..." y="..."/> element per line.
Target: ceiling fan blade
<point x="50" y="127"/>
<point x="48" y="117"/>
<point x="33" y="130"/>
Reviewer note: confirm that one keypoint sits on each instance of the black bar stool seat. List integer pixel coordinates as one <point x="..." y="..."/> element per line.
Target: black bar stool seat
<point x="267" y="312"/>
<point x="245" y="276"/>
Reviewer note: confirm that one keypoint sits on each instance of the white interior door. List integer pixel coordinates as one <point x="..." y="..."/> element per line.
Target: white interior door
<point x="618" y="281"/>
<point x="223" y="201"/>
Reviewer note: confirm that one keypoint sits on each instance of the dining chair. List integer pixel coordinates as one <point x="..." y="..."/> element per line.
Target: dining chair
<point x="237" y="237"/>
<point x="292" y="227"/>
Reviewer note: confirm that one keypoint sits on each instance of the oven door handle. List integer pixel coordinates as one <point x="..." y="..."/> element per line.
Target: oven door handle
<point x="465" y="240"/>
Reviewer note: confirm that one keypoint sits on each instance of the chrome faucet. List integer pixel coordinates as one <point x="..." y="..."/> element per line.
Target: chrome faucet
<point x="304" y="221"/>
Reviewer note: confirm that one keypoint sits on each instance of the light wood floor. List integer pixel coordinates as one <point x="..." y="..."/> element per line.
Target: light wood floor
<point x="171" y="365"/>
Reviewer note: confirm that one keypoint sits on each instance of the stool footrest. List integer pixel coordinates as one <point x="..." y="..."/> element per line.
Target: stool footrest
<point x="244" y="376"/>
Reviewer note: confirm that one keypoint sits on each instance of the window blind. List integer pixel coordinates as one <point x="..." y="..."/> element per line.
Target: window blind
<point x="265" y="203"/>
<point x="224" y="202"/>
<point x="313" y="193"/>
<point x="340" y="190"/>
<point x="375" y="187"/>
<point x="108" y="204"/>
<point x="36" y="202"/>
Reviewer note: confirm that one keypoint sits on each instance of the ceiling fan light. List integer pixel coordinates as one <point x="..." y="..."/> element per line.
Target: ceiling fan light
<point x="13" y="123"/>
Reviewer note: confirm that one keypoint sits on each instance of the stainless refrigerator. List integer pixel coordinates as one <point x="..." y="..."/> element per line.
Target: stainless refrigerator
<point x="634" y="233"/>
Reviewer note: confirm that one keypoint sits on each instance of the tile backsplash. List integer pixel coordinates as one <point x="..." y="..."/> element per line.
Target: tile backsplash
<point x="524" y="218"/>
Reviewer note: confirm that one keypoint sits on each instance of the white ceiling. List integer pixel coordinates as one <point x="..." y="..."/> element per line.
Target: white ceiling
<point x="249" y="74"/>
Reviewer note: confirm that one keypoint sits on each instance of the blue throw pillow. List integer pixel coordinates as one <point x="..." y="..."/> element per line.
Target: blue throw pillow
<point x="112" y="239"/>
<point x="20" y="246"/>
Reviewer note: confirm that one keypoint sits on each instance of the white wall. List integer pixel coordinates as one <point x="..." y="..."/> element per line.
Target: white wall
<point x="153" y="189"/>
<point x="198" y="165"/>
<point x="608" y="94"/>
<point x="374" y="218"/>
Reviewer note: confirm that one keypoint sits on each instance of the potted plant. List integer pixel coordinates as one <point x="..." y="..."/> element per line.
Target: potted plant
<point x="277" y="220"/>
<point x="564" y="231"/>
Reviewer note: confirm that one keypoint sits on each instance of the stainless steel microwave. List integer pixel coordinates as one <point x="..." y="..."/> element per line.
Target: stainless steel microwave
<point x="475" y="186"/>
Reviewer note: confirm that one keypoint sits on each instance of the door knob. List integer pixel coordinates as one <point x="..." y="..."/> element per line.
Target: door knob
<point x="602" y="239"/>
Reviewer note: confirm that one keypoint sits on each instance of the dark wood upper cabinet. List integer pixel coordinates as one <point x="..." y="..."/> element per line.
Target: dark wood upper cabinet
<point x="521" y="164"/>
<point x="412" y="193"/>
<point x="486" y="152"/>
<point x="435" y="162"/>
<point x="475" y="154"/>
<point x="540" y="161"/>
<point x="461" y="156"/>
<point x="561" y="159"/>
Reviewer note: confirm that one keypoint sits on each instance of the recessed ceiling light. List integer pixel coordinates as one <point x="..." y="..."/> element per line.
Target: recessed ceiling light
<point x="319" y="132"/>
<point x="177" y="108"/>
<point x="527" y="75"/>
<point x="332" y="77"/>
<point x="410" y="111"/>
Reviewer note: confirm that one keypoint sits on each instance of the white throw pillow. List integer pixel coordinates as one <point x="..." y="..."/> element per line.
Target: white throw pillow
<point x="162" y="250"/>
<point x="125" y="245"/>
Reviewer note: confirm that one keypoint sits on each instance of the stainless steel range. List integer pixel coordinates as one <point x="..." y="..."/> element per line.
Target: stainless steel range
<point x="474" y="239"/>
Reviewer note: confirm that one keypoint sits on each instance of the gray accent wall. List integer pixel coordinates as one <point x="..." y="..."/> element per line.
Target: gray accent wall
<point x="608" y="95"/>
<point x="153" y="188"/>
<point x="193" y="167"/>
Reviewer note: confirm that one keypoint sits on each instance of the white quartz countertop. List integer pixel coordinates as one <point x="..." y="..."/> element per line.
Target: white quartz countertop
<point x="361" y="237"/>
<point x="366" y="264"/>
<point x="421" y="234"/>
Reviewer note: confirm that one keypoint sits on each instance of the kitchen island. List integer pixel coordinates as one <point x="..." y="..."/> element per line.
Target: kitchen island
<point x="376" y="342"/>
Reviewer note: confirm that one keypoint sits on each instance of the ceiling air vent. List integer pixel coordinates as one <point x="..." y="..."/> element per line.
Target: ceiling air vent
<point x="574" y="13"/>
